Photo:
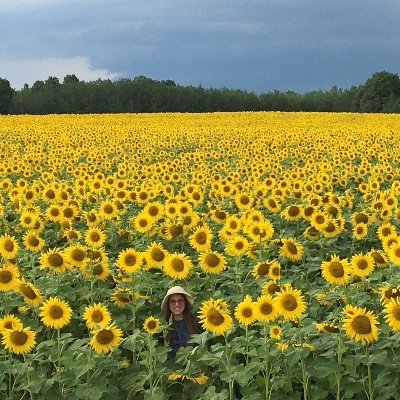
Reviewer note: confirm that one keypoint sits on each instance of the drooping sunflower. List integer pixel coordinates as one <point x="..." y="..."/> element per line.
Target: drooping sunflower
<point x="263" y="268"/>
<point x="326" y="327"/>
<point x="311" y="233"/>
<point x="8" y="246"/>
<point x="155" y="255"/>
<point x="19" y="340"/>
<point x="392" y="311"/>
<point x="9" y="275"/>
<point x="95" y="237"/>
<point x="362" y="264"/>
<point x="245" y="311"/>
<point x="177" y="266"/>
<point x="336" y="271"/>
<point x="270" y="287"/>
<point x="97" y="316"/>
<point x="361" y="325"/>
<point x="129" y="260"/>
<point x="151" y="325"/>
<point x="380" y="258"/>
<point x="291" y="249"/>
<point x="10" y="321"/>
<point x="266" y="309"/>
<point x="214" y="316"/>
<point x="55" y="313"/>
<point x="105" y="339"/>
<point x="290" y="303"/>
<point x="32" y="241"/>
<point x="30" y="292"/>
<point x="273" y="204"/>
<point x="212" y="262"/>
<point x="201" y="238"/>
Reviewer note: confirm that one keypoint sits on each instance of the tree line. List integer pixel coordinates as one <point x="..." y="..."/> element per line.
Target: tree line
<point x="380" y="93"/>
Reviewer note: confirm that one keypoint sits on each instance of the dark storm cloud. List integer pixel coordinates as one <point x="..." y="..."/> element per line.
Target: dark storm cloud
<point x="255" y="45"/>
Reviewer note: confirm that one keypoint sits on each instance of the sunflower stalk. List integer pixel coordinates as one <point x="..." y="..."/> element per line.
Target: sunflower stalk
<point x="266" y="371"/>
<point x="228" y="355"/>
<point x="370" y="393"/>
<point x="338" y="375"/>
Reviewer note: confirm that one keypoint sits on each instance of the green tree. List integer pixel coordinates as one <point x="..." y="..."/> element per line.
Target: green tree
<point x="6" y="93"/>
<point x="379" y="90"/>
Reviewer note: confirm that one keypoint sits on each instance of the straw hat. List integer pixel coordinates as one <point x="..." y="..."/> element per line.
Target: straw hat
<point x="176" y="290"/>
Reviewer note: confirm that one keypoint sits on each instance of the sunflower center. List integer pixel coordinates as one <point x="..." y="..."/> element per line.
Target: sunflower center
<point x="98" y="270"/>
<point x="361" y="325"/>
<point x="215" y="317"/>
<point x="54" y="212"/>
<point x="176" y="230"/>
<point x="272" y="203"/>
<point x="378" y="258"/>
<point x="330" y="228"/>
<point x="151" y="325"/>
<point x="220" y="214"/>
<point x="289" y="302"/>
<point x="95" y="237"/>
<point x="105" y="336"/>
<point x="293" y="211"/>
<point x="68" y="212"/>
<point x="77" y="255"/>
<point x="143" y="223"/>
<point x="177" y="265"/>
<point x="91" y="217"/>
<point x="397" y="251"/>
<point x="108" y="209"/>
<point x="386" y="231"/>
<point x="28" y="292"/>
<point x="9" y="246"/>
<point x="244" y="200"/>
<point x="212" y="260"/>
<point x="362" y="264"/>
<point x="291" y="248"/>
<point x="5" y="277"/>
<point x="97" y="316"/>
<point x="263" y="269"/>
<point x="55" y="260"/>
<point x="275" y="271"/>
<point x="233" y="224"/>
<point x="396" y="313"/>
<point x="18" y="338"/>
<point x="50" y="194"/>
<point x="201" y="238"/>
<point x="153" y="211"/>
<point x="157" y="255"/>
<point x="239" y="245"/>
<point x="247" y="312"/>
<point x="331" y="329"/>
<point x="33" y="241"/>
<point x="266" y="309"/>
<point x="130" y="260"/>
<point x="9" y="325"/>
<point x="56" y="312"/>
<point x="273" y="288"/>
<point x="319" y="219"/>
<point x="336" y="269"/>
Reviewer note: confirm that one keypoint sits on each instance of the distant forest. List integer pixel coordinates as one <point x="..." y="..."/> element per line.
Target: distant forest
<point x="380" y="93"/>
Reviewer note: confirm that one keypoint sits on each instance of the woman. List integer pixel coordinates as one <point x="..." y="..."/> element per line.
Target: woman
<point x="176" y="307"/>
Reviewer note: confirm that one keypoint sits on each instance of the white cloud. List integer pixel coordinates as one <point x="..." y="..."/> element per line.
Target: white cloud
<point x="22" y="71"/>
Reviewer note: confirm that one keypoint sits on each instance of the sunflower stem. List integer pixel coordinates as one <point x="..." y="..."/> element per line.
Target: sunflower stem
<point x="370" y="387"/>
<point x="338" y="374"/>
<point x="228" y="367"/>
<point x="150" y="363"/>
<point x="246" y="327"/>
<point x="266" y="363"/>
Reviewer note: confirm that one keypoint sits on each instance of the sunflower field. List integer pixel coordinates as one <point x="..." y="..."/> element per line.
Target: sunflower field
<point x="284" y="226"/>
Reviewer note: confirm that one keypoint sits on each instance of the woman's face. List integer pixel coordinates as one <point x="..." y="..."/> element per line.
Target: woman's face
<point x="176" y="305"/>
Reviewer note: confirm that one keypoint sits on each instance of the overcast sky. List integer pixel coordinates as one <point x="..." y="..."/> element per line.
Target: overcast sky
<point x="255" y="45"/>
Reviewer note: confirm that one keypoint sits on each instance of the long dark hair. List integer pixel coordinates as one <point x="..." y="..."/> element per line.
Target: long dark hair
<point x="189" y="319"/>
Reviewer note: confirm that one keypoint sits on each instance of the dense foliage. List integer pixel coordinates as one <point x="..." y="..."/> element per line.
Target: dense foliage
<point x="380" y="93"/>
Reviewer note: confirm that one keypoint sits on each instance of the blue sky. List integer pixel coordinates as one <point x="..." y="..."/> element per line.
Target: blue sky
<point x="255" y="45"/>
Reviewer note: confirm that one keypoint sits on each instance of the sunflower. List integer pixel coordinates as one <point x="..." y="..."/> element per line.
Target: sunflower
<point x="215" y="316"/>
<point x="385" y="229"/>
<point x="99" y="270"/>
<point x="32" y="241"/>
<point x="155" y="255"/>
<point x="270" y="287"/>
<point x="380" y="258"/>
<point x="360" y="325"/>
<point x="326" y="327"/>
<point x="319" y="220"/>
<point x="96" y="316"/>
<point x="184" y="209"/>
<point x="201" y="238"/>
<point x="75" y="256"/>
<point x="362" y="264"/>
<point x="200" y="379"/>
<point x="108" y="210"/>
<point x="55" y="260"/>
<point x="55" y="313"/>
<point x="273" y="204"/>
<point x="177" y="266"/>
<point x="266" y="309"/>
<point x="9" y="275"/>
<point x="142" y="222"/>
<point x="311" y="233"/>
<point x="237" y="246"/>
<point x="291" y="249"/>
<point x="151" y="325"/>
<point x="259" y="231"/>
<point x="105" y="339"/>
<point x="122" y="296"/>
<point x="293" y="212"/>
<point x="262" y="268"/>
<point x="95" y="237"/>
<point x="8" y="246"/>
<point x="332" y="229"/>
<point x="212" y="262"/>
<point x="10" y="321"/>
<point x="360" y="231"/>
<point x="92" y="218"/>
<point x="245" y="311"/>
<point x="244" y="201"/>
<point x="392" y="311"/>
<point x="19" y="340"/>
<point x="336" y="271"/>
<point x="388" y="241"/>
<point x="275" y="332"/>
<point x="394" y="253"/>
<point x="290" y="303"/>
<point x="154" y="210"/>
<point x="30" y="292"/>
<point x="28" y="219"/>
<point x="129" y="260"/>
<point x="53" y="213"/>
